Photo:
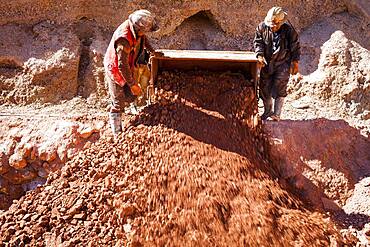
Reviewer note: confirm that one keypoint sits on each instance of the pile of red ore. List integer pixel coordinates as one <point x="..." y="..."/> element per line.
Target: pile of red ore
<point x="186" y="171"/>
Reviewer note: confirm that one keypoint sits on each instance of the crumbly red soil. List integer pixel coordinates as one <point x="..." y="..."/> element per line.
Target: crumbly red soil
<point x="185" y="172"/>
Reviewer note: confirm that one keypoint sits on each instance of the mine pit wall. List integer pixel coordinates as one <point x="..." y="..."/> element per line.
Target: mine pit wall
<point x="51" y="63"/>
<point x="60" y="46"/>
<point x="57" y="48"/>
<point x="325" y="161"/>
<point x="233" y="17"/>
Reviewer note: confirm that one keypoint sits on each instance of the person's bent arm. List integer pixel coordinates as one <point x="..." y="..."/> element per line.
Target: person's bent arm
<point x="259" y="46"/>
<point x="295" y="47"/>
<point x="258" y="42"/>
<point x="295" y="50"/>
<point x="123" y="52"/>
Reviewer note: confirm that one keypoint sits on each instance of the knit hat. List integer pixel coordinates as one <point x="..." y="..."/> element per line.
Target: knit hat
<point x="143" y="20"/>
<point x="275" y="15"/>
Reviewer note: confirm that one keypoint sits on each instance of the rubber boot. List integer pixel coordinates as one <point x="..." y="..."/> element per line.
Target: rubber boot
<point x="267" y="105"/>
<point x="133" y="108"/>
<point x="115" y="123"/>
<point x="278" y="107"/>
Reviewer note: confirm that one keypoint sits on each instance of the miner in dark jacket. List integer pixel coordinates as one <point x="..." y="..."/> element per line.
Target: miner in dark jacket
<point x="278" y="51"/>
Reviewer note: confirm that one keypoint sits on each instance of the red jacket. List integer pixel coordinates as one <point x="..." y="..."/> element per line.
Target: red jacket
<point x="126" y="31"/>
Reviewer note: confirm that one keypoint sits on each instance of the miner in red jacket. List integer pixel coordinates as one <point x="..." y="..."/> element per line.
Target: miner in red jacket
<point x="120" y="60"/>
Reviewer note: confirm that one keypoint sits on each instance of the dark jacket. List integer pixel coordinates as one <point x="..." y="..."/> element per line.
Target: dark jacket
<point x="289" y="44"/>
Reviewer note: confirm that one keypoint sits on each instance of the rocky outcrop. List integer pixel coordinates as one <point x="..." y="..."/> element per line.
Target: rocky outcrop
<point x="38" y="63"/>
<point x="29" y="154"/>
<point x="234" y="17"/>
<point x="58" y="59"/>
<point x="345" y="75"/>
<point x="340" y="77"/>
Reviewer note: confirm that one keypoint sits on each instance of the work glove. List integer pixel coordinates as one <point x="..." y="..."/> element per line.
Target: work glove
<point x="136" y="89"/>
<point x="293" y="68"/>
<point x="261" y="61"/>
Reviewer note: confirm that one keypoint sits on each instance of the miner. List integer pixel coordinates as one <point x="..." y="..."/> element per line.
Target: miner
<point x="121" y="63"/>
<point x="277" y="47"/>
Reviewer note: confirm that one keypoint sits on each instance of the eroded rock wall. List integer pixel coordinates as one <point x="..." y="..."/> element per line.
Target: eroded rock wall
<point x="30" y="150"/>
<point x="235" y="17"/>
<point x="38" y="63"/>
<point x="342" y="77"/>
<point x="53" y="51"/>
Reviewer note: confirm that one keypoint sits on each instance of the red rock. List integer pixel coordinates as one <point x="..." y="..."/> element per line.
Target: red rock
<point x="43" y="221"/>
<point x="55" y="213"/>
<point x="76" y="207"/>
<point x="80" y="216"/>
<point x="126" y="210"/>
<point x="27" y="150"/>
<point x="4" y="163"/>
<point x="35" y="217"/>
<point x="20" y="176"/>
<point x="34" y="153"/>
<point x="47" y="153"/>
<point x="41" y="209"/>
<point x="17" y="161"/>
<point x="9" y="232"/>
<point x="86" y="132"/>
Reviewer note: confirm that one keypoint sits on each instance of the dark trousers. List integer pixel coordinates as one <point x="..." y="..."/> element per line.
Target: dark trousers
<point x="120" y="97"/>
<point x="274" y="81"/>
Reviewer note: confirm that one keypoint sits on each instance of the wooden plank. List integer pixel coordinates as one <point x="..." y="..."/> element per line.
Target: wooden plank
<point x="153" y="79"/>
<point x="240" y="56"/>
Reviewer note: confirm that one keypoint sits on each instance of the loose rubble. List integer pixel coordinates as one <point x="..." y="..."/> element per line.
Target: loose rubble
<point x="29" y="152"/>
<point x="186" y="171"/>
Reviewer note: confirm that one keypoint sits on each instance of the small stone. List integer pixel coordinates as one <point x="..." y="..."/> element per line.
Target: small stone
<point x="86" y="132"/>
<point x="41" y="209"/>
<point x="47" y="154"/>
<point x="54" y="213"/>
<point x="35" y="217"/>
<point x="127" y="228"/>
<point x="127" y="210"/>
<point x="17" y="161"/>
<point x="26" y="217"/>
<point x="43" y="221"/>
<point x="80" y="216"/>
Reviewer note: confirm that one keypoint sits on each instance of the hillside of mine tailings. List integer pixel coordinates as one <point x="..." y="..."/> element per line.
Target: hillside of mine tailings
<point x="184" y="172"/>
<point x="197" y="167"/>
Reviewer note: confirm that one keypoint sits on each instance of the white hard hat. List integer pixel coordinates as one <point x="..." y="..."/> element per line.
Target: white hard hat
<point x="275" y="14"/>
<point x="143" y="21"/>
